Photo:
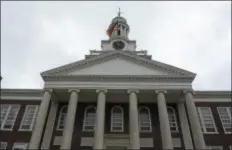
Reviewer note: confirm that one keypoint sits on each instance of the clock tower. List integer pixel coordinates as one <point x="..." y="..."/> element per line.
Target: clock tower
<point x="118" y="31"/>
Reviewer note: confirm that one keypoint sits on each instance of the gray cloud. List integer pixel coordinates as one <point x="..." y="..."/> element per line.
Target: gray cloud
<point x="37" y="36"/>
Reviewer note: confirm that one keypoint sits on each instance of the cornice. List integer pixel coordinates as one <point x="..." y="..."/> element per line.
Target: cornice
<point x="200" y="94"/>
<point x="144" y="78"/>
<point x="21" y="94"/>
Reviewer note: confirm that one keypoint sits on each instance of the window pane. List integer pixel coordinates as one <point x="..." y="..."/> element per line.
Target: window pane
<point x="4" y="109"/>
<point x="3" y="145"/>
<point x="29" y="117"/>
<point x="10" y="117"/>
<point x="144" y="119"/>
<point x="117" y="119"/>
<point x="172" y="119"/>
<point x="206" y="120"/>
<point x="225" y="117"/>
<point x="89" y="119"/>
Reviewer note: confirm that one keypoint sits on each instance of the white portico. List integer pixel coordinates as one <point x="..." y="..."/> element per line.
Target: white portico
<point x="119" y="69"/>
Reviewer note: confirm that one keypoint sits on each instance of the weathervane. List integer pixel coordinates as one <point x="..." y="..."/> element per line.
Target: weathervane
<point x="119" y="12"/>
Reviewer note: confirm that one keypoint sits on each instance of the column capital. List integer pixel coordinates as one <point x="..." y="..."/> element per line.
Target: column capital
<point x="101" y="90"/>
<point x="74" y="90"/>
<point x="160" y="91"/>
<point x="188" y="91"/>
<point x="132" y="90"/>
<point x="48" y="90"/>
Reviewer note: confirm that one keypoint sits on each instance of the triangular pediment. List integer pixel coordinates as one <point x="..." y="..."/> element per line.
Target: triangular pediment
<point x="117" y="63"/>
<point x="118" y="66"/>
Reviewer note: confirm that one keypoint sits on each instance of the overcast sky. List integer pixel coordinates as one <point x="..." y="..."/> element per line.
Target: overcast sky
<point x="37" y="36"/>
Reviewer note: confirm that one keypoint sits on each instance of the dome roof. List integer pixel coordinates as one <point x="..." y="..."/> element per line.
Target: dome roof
<point x="120" y="19"/>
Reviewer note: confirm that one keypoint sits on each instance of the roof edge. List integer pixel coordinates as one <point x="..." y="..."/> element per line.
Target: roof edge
<point x="22" y="92"/>
<point x="213" y="93"/>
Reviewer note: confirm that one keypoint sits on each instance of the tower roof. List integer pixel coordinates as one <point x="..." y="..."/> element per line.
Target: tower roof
<point x="119" y="19"/>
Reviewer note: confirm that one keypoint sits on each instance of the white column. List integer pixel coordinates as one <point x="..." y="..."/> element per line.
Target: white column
<point x="184" y="126"/>
<point x="134" y="120"/>
<point x="164" y="121"/>
<point x="194" y="121"/>
<point x="40" y="121"/>
<point x="50" y="125"/>
<point x="70" y="120"/>
<point x="100" y="120"/>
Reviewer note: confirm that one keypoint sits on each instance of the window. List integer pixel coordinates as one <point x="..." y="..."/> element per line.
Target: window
<point x="145" y="119"/>
<point x="62" y="116"/>
<point x="117" y="119"/>
<point x="225" y="117"/>
<point x="8" y="116"/>
<point x="20" y="146"/>
<point x="214" y="147"/>
<point x="3" y="145"/>
<point x="119" y="32"/>
<point x="29" y="118"/>
<point x="172" y="119"/>
<point x="206" y="120"/>
<point x="89" y="118"/>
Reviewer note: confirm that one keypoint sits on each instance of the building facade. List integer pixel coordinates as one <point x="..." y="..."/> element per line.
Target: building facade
<point x="116" y="98"/>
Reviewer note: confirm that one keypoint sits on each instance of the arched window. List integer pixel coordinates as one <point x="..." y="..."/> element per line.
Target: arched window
<point x="145" y="119"/>
<point x="117" y="120"/>
<point x="172" y="119"/>
<point x="62" y="116"/>
<point x="89" y="118"/>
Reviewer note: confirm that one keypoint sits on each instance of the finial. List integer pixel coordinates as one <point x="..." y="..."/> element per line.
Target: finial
<point x="119" y="12"/>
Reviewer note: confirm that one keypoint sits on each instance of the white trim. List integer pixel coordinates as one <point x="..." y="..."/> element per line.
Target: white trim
<point x="149" y="122"/>
<point x="212" y="99"/>
<point x="59" y="120"/>
<point x="33" y="119"/>
<point x="118" y="85"/>
<point x="85" y="115"/>
<point x="202" y="121"/>
<point x="3" y="145"/>
<point x="21" y="98"/>
<point x="211" y="147"/>
<point x="121" y="118"/>
<point x="175" y="119"/>
<point x="229" y="115"/>
<point x="20" y="145"/>
<point x="7" y="114"/>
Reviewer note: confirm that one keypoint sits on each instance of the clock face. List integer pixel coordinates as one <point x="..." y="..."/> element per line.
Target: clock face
<point x="118" y="45"/>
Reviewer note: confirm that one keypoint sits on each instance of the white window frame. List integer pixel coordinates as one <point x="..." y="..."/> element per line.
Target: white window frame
<point x="20" y="145"/>
<point x="7" y="115"/>
<point x="3" y="145"/>
<point x="149" y="121"/>
<point x="60" y="115"/>
<point x="25" y="116"/>
<point x="229" y="115"/>
<point x="202" y="123"/>
<point x="85" y="119"/>
<point x="112" y="125"/>
<point x="213" y="147"/>
<point x="175" y="119"/>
